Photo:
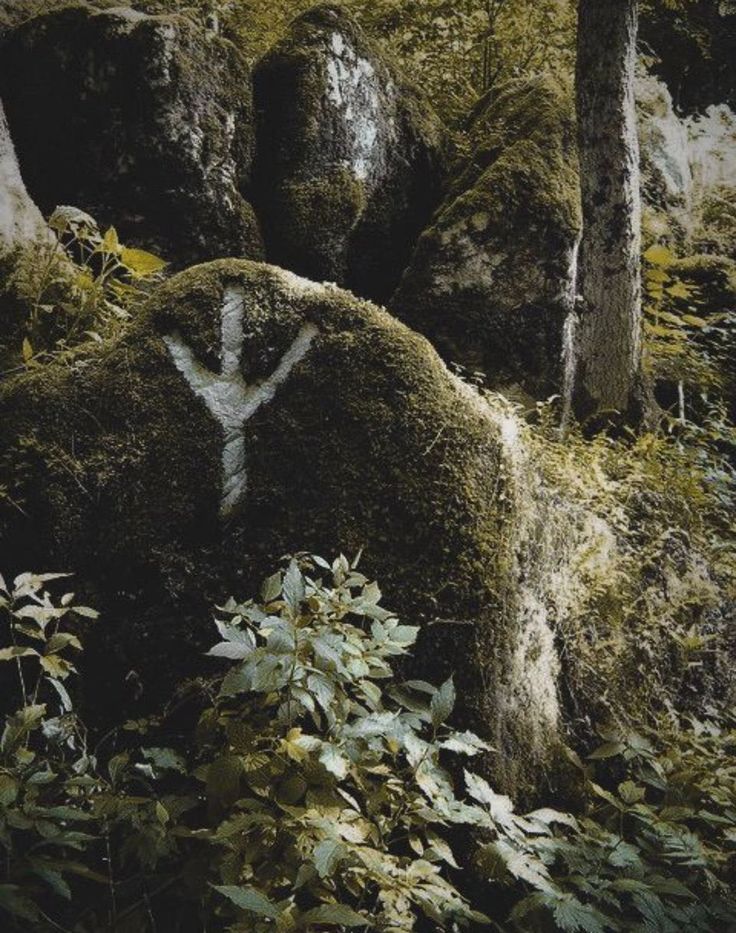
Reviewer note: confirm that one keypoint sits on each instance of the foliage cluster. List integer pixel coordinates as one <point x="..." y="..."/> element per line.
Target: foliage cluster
<point x="312" y="792"/>
<point x="653" y="565"/>
<point x="78" y="284"/>
<point x="689" y="339"/>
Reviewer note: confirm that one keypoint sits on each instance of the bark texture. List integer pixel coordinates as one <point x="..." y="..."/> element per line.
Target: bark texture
<point x="607" y="332"/>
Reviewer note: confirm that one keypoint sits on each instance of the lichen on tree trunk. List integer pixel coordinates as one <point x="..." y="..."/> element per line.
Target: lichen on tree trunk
<point x="607" y="341"/>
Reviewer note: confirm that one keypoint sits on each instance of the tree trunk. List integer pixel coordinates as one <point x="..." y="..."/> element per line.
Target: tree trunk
<point x="607" y="329"/>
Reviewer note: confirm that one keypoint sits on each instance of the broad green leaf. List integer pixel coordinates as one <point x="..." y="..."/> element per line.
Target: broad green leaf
<point x="465" y="743"/>
<point x="223" y="778"/>
<point x="327" y="856"/>
<point x="20" y="724"/>
<point x="9" y="654"/>
<point x="335" y="762"/>
<point x="443" y="703"/>
<point x="165" y="759"/>
<point x="335" y="915"/>
<point x="110" y="241"/>
<point x="248" y="898"/>
<point x="140" y="263"/>
<point x="8" y="790"/>
<point x="573" y="917"/>
<point x="271" y="589"/>
<point x="500" y="806"/>
<point x="659" y="256"/>
<point x="293" y="586"/>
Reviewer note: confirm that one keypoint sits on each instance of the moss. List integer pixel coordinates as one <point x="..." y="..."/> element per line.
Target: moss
<point x="369" y="444"/>
<point x="488" y="278"/>
<point x="320" y="210"/>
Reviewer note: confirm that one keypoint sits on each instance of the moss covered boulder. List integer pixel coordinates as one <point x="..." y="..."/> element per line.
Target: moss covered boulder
<point x="350" y="156"/>
<point x="143" y="121"/>
<point x="250" y="414"/>
<point x="491" y="280"/>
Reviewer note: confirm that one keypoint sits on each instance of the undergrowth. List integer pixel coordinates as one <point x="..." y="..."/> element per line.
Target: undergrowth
<point x="78" y="284"/>
<point x="306" y="789"/>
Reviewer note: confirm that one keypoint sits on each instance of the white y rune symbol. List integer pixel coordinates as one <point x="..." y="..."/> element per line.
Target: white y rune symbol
<point x="228" y="397"/>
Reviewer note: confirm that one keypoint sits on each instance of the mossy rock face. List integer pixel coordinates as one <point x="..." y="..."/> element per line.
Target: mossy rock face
<point x="491" y="279"/>
<point x="250" y="414"/>
<point x="145" y="122"/>
<point x="350" y="156"/>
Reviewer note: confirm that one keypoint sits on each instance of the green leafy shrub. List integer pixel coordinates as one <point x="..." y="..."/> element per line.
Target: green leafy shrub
<point x="310" y="792"/>
<point x="80" y="284"/>
<point x="326" y="775"/>
<point x="45" y="766"/>
<point x="654" y="849"/>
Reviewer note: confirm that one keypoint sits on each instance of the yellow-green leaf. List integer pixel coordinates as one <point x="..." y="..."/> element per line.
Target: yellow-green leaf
<point x="110" y="242"/>
<point x="680" y="290"/>
<point x="140" y="263"/>
<point x="659" y="255"/>
<point x="694" y="321"/>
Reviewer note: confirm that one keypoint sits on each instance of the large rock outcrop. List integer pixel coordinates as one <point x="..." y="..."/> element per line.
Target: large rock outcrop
<point x="492" y="279"/>
<point x="249" y="414"/>
<point x="350" y="156"/>
<point x="143" y="121"/>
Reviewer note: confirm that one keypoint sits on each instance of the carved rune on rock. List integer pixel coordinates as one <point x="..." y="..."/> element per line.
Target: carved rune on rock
<point x="229" y="398"/>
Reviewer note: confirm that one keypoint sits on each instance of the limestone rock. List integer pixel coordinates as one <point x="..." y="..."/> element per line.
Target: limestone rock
<point x="492" y="278"/>
<point x="350" y="156"/>
<point x="22" y="228"/>
<point x="20" y="220"/>
<point x="250" y="414"/>
<point x="143" y="121"/>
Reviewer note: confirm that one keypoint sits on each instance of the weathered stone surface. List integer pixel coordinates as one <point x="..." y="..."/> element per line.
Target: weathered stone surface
<point x="249" y="414"/>
<point x="350" y="156"/>
<point x="143" y="121"/>
<point x="22" y="228"/>
<point x="492" y="278"/>
<point x="20" y="220"/>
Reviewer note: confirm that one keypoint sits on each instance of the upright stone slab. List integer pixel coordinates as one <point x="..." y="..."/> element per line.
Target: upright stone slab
<point x="20" y="220"/>
<point x="350" y="156"/>
<point x="143" y="121"/>
<point x="250" y="414"/>
<point x="21" y="228"/>
<point x="493" y="277"/>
